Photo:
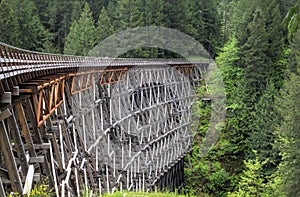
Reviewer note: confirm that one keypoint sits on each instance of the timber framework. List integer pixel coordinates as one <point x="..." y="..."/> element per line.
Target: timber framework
<point x="106" y="124"/>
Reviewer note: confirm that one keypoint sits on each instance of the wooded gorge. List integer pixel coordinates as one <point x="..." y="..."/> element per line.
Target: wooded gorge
<point x="256" y="45"/>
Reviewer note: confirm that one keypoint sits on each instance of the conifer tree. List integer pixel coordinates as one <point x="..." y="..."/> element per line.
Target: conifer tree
<point x="153" y="13"/>
<point x="128" y="14"/>
<point x="104" y="26"/>
<point x="81" y="38"/>
<point x="33" y="35"/>
<point x="262" y="137"/>
<point x="251" y="182"/>
<point x="9" y="27"/>
<point x="228" y="60"/>
<point x="210" y="36"/>
<point x="288" y="105"/>
<point x="261" y="53"/>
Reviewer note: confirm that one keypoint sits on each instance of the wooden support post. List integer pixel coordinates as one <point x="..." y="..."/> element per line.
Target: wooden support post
<point x="56" y="151"/>
<point x="11" y="165"/>
<point x="24" y="128"/>
<point x="2" y="191"/>
<point x="16" y="135"/>
<point x="29" y="180"/>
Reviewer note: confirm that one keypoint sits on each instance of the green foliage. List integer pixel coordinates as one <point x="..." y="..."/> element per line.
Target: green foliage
<point x="81" y="38"/>
<point x="292" y="20"/>
<point x="57" y="16"/>
<point x="153" y="13"/>
<point x="295" y="52"/>
<point x="210" y="34"/>
<point x="227" y="9"/>
<point x="231" y="140"/>
<point x="207" y="177"/>
<point x="206" y="174"/>
<point x="260" y="74"/>
<point x="252" y="62"/>
<point x="87" y="192"/>
<point x="129" y="14"/>
<point x="251" y="182"/>
<point x="262" y="137"/>
<point x="288" y="105"/>
<point x="40" y="190"/>
<point x="104" y="26"/>
<point x="20" y="25"/>
<point x="8" y="24"/>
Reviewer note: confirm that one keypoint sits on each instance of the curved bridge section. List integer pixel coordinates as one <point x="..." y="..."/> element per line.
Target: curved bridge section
<point x="106" y="124"/>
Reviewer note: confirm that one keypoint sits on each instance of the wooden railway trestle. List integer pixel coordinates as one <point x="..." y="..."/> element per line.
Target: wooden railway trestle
<point x="91" y="122"/>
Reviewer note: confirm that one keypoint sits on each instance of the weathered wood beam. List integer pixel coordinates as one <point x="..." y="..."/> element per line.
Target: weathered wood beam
<point x="5" y="114"/>
<point x="5" y="98"/>
<point x="11" y="165"/>
<point x="2" y="191"/>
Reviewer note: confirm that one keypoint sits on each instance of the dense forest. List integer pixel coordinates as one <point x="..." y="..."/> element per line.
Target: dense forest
<point x="256" y="45"/>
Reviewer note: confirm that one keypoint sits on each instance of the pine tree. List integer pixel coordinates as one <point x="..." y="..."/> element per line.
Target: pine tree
<point x="81" y="38"/>
<point x="96" y="6"/>
<point x="8" y="24"/>
<point x="261" y="54"/>
<point x="262" y="137"/>
<point x="33" y="35"/>
<point x="111" y="11"/>
<point x="210" y="35"/>
<point x="288" y="105"/>
<point x="57" y="17"/>
<point x="180" y="15"/>
<point x="128" y="14"/>
<point x="228" y="60"/>
<point x="104" y="26"/>
<point x="227" y="10"/>
<point x="251" y="182"/>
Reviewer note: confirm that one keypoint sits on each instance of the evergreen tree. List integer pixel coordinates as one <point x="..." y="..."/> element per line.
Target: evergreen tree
<point x="262" y="137"/>
<point x="128" y="14"/>
<point x="33" y="35"/>
<point x="66" y="13"/>
<point x="251" y="182"/>
<point x="111" y="11"/>
<point x="227" y="10"/>
<point x="288" y="105"/>
<point x="231" y="139"/>
<point x="104" y="26"/>
<point x="57" y="17"/>
<point x="96" y="6"/>
<point x="8" y="24"/>
<point x="153" y="13"/>
<point x="81" y="38"/>
<point x="210" y="35"/>
<point x="261" y="53"/>
<point x="292" y="21"/>
<point x="178" y="15"/>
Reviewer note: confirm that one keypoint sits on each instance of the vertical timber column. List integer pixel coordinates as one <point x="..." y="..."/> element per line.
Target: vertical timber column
<point x="6" y="148"/>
